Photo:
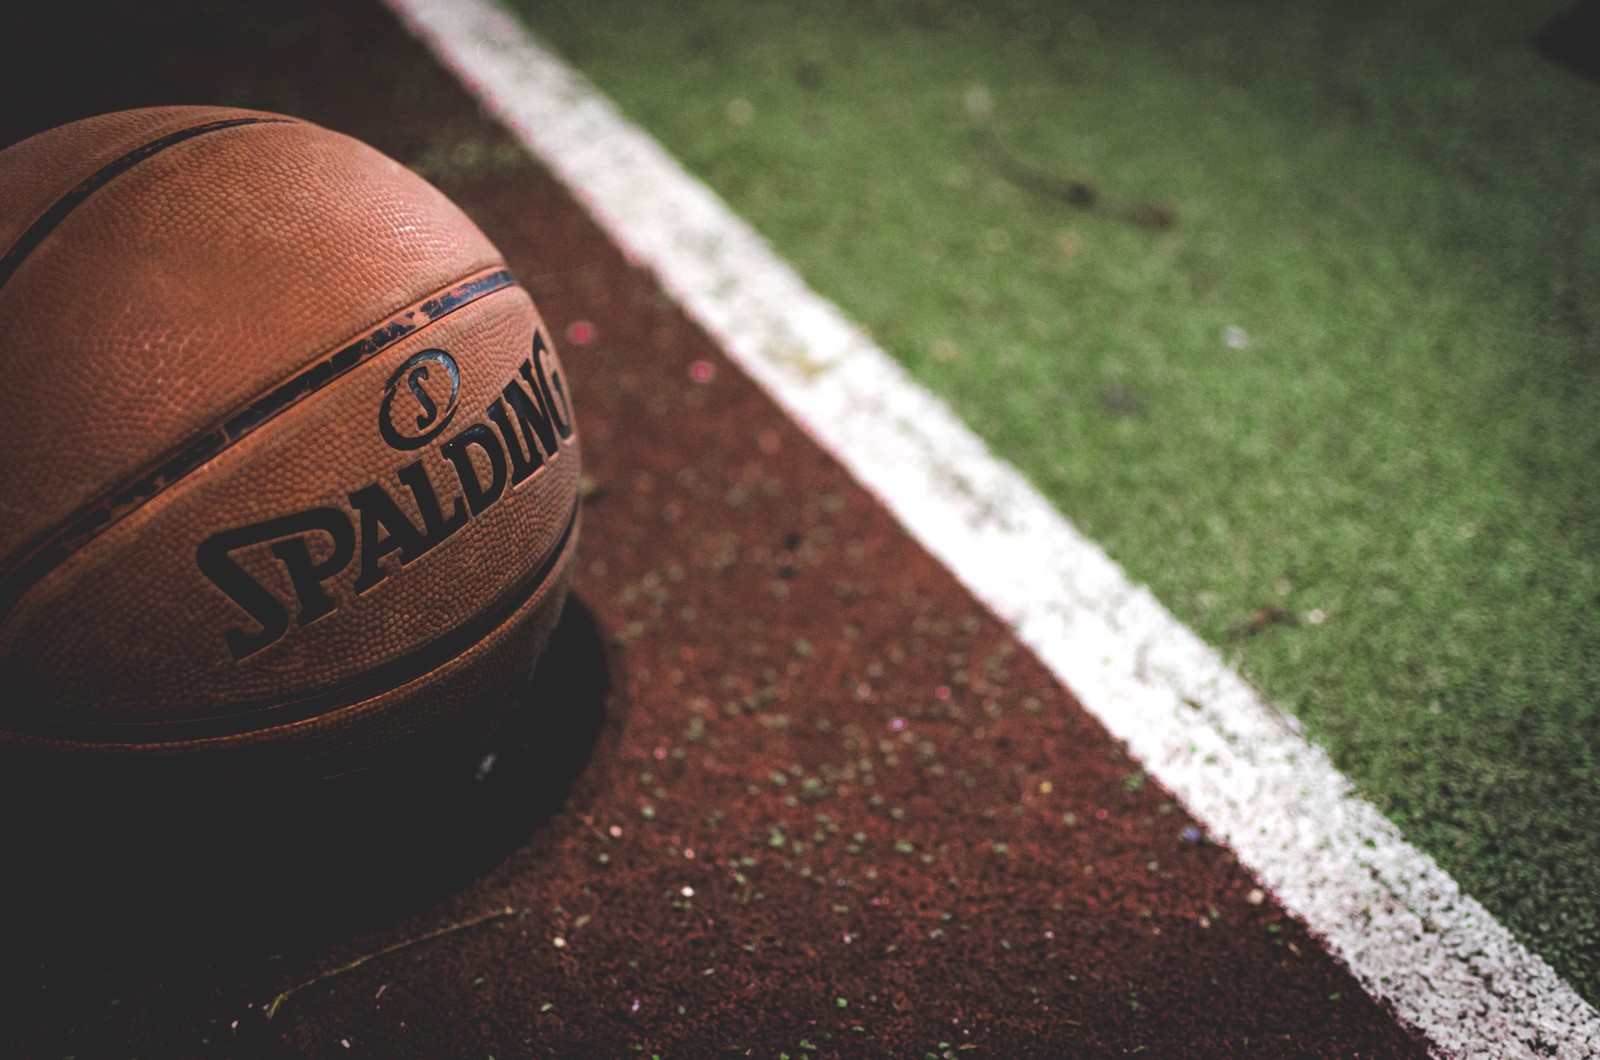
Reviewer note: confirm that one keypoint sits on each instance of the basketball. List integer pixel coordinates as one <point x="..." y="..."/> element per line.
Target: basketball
<point x="290" y="475"/>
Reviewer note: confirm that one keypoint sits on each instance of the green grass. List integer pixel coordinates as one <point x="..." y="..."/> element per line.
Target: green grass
<point x="1398" y="209"/>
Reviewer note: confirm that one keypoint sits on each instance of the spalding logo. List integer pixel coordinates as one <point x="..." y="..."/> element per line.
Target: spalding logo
<point x="420" y="425"/>
<point x="516" y="434"/>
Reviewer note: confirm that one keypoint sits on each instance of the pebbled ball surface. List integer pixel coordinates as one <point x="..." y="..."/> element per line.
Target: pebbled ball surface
<point x="257" y="262"/>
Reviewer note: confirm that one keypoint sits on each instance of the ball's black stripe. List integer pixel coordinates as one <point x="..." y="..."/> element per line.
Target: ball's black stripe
<point x="369" y="683"/>
<point x="89" y="523"/>
<point x="59" y="210"/>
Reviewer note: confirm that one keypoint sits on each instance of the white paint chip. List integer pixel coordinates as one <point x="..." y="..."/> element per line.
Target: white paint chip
<point x="1400" y="923"/>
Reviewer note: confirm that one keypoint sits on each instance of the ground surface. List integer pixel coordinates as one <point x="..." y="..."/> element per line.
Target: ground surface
<point x="782" y="788"/>
<point x="1341" y="413"/>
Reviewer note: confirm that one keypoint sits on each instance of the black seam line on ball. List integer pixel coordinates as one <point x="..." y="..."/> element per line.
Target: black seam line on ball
<point x="109" y="509"/>
<point x="385" y="677"/>
<point x="46" y="223"/>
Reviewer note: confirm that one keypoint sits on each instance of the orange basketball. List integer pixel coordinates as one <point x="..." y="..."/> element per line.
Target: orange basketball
<point x="288" y="472"/>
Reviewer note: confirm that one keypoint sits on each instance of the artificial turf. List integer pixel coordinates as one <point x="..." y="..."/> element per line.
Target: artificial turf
<point x="1318" y="363"/>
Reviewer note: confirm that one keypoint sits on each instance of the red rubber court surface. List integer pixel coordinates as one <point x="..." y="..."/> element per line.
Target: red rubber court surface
<point x="780" y="787"/>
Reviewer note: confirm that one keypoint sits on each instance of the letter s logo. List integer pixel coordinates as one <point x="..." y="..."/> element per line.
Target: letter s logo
<point x="432" y="388"/>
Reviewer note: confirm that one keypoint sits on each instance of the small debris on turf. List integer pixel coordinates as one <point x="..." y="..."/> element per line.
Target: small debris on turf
<point x="1271" y="615"/>
<point x="1071" y="190"/>
<point x="1074" y="191"/>
<point x="1156" y="216"/>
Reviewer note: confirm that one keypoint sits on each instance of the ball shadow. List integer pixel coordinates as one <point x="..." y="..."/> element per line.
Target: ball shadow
<point x="149" y="879"/>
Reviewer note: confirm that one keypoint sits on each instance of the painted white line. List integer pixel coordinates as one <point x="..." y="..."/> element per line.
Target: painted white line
<point x="1397" y="920"/>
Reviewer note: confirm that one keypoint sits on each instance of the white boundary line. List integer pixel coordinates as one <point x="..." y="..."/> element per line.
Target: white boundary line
<point x="1401" y="924"/>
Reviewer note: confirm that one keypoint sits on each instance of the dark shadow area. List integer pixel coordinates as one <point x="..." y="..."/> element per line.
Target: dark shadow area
<point x="347" y="65"/>
<point x="102" y="881"/>
<point x="1572" y="39"/>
